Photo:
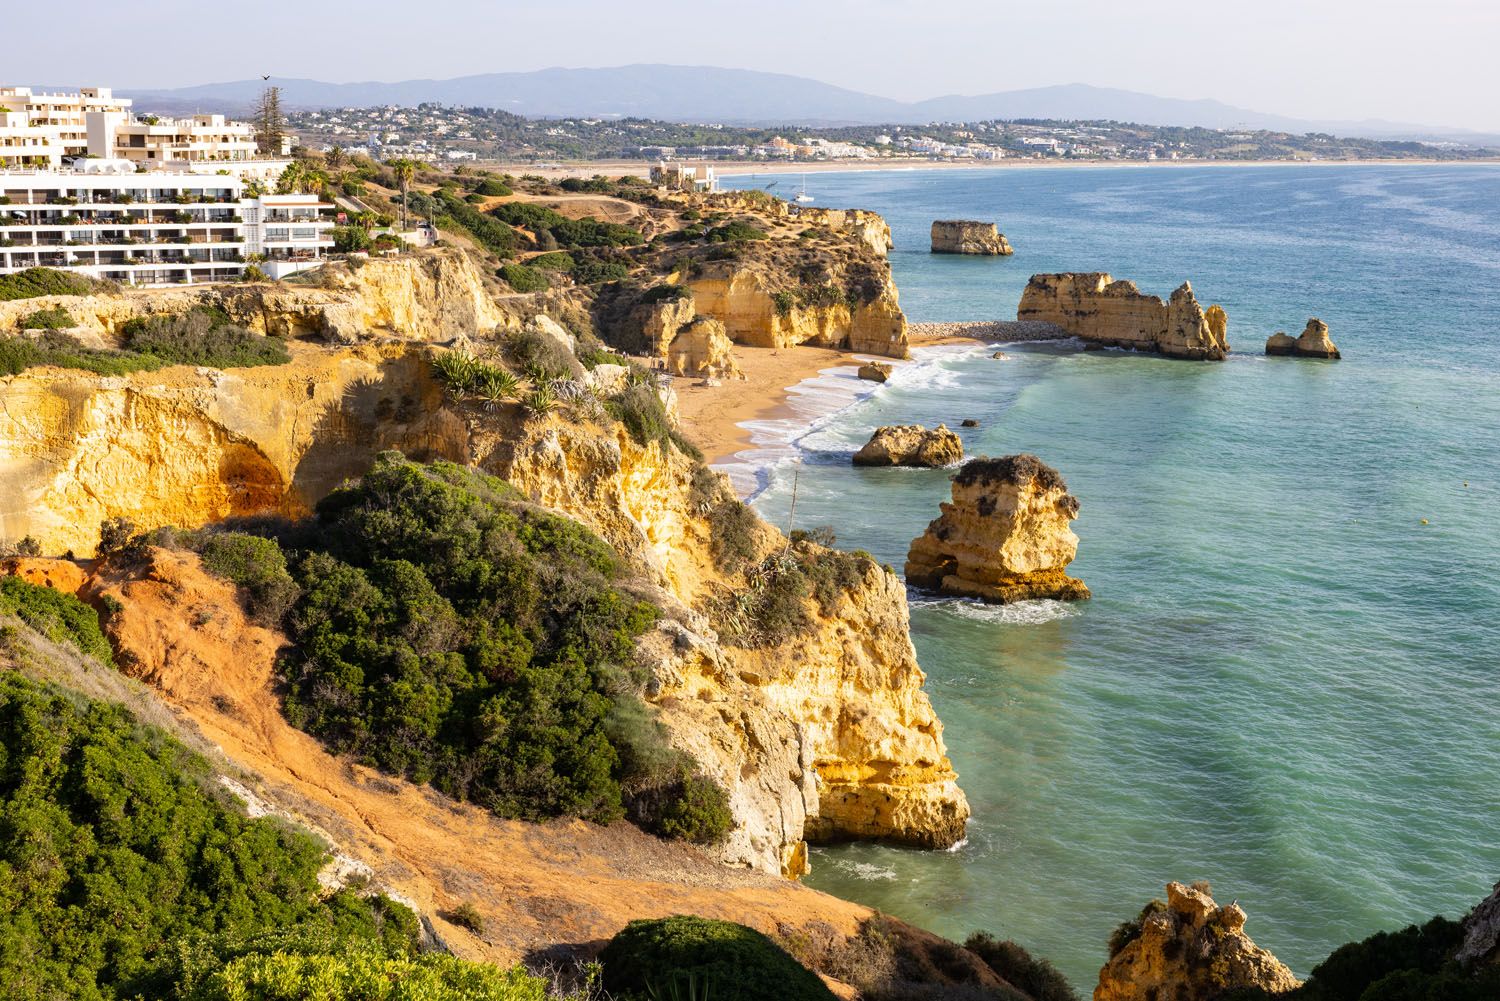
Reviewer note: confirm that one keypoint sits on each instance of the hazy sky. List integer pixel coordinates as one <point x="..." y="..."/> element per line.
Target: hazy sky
<point x="1427" y="61"/>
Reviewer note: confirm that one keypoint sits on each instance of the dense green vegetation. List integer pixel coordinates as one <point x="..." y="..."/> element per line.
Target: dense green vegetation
<point x="523" y="278"/>
<point x="35" y="282"/>
<point x="55" y="318"/>
<point x="720" y="960"/>
<point x="60" y="617"/>
<point x="201" y="336"/>
<point x="592" y="271"/>
<point x="553" y="229"/>
<point x="735" y="232"/>
<point x="1414" y="964"/>
<point x="1037" y="977"/>
<point x="123" y="875"/>
<point x="451" y="212"/>
<point x="449" y="632"/>
<point x="366" y="975"/>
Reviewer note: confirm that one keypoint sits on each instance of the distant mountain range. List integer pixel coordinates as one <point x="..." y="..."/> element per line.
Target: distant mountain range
<point x="749" y="97"/>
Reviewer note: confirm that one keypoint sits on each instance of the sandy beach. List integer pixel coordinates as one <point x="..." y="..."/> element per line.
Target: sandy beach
<point x="712" y="415"/>
<point x="739" y="168"/>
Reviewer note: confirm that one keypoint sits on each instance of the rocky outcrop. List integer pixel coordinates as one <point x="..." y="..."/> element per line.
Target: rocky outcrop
<point x="184" y="446"/>
<point x="1481" y="944"/>
<point x="701" y="348"/>
<point x="1188" y="949"/>
<point x="1312" y="343"/>
<point x="964" y="236"/>
<point x="746" y="302"/>
<point x="874" y="371"/>
<point x="911" y="445"/>
<point x="1102" y="311"/>
<point x="1005" y="536"/>
<point x="829" y="736"/>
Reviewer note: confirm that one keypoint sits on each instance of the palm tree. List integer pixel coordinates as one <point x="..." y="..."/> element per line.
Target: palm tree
<point x="405" y="171"/>
<point x="292" y="178"/>
<point x="335" y="158"/>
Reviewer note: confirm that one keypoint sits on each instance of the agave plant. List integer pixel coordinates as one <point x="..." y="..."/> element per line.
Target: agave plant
<point x="495" y="386"/>
<point x="458" y="371"/>
<point x="540" y="402"/>
<point x="682" y="988"/>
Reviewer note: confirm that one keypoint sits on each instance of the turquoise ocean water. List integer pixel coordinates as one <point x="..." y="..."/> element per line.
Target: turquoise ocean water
<point x="1286" y="683"/>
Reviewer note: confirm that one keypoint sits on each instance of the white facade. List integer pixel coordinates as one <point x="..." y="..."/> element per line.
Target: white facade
<point x="111" y="220"/>
<point x="40" y="129"/>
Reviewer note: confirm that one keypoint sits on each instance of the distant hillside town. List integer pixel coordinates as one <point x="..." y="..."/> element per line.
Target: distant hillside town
<point x="441" y="132"/>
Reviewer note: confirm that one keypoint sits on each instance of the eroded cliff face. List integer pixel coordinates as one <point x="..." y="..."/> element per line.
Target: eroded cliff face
<point x="1005" y="536"/>
<point x="435" y="296"/>
<point x="184" y="446"/>
<point x="1096" y="308"/>
<point x="910" y="445"/>
<point x="1191" y="949"/>
<point x="745" y="301"/>
<point x="828" y="736"/>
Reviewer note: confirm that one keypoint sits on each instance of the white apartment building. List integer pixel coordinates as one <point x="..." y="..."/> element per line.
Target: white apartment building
<point x="39" y="129"/>
<point x="109" y="219"/>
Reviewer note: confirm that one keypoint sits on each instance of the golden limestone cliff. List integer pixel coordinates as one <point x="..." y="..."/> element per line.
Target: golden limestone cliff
<point x="1005" y="536"/>
<point x="1188" y="949"/>
<point x="435" y="296"/>
<point x="1100" y="310"/>
<point x="829" y="735"/>
<point x="757" y="313"/>
<point x="184" y="446"/>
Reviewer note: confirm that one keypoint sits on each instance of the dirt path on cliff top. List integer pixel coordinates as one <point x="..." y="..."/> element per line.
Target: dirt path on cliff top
<point x="536" y="885"/>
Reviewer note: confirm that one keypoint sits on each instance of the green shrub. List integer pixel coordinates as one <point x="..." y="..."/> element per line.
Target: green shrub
<point x="466" y="915"/>
<point x="125" y="876"/>
<point x="555" y="261"/>
<point x="55" y="318"/>
<point x="735" y="232"/>
<point x="643" y="414"/>
<point x="17" y="354"/>
<point x="666" y="293"/>
<point x="543" y="358"/>
<point x="523" y="278"/>
<point x="348" y="239"/>
<point x="1037" y="977"/>
<point x="253" y="273"/>
<point x="257" y="566"/>
<point x="698" y="813"/>
<point x="567" y="233"/>
<point x="735" y="531"/>
<point x="737" y="963"/>
<point x="34" y="282"/>
<point x="201" y="336"/>
<point x="60" y="617"/>
<point x="1417" y="953"/>
<point x="784" y="302"/>
<point x="367" y="975"/>
<point x="591" y="271"/>
<point x="493" y="187"/>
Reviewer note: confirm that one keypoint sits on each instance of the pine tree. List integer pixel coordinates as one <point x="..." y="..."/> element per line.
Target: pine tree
<point x="270" y="123"/>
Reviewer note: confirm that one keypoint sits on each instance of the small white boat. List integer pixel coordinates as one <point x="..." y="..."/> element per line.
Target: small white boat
<point x="803" y="197"/>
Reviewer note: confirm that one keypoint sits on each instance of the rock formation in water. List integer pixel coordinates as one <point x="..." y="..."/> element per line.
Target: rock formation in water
<point x="965" y="236"/>
<point x="1313" y="342"/>
<point x="1102" y="311"/>
<point x="1005" y="536"/>
<point x="875" y="371"/>
<point x="910" y="445"/>
<point x="1188" y="949"/>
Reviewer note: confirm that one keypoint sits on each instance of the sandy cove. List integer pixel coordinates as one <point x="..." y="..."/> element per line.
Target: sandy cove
<point x="713" y="415"/>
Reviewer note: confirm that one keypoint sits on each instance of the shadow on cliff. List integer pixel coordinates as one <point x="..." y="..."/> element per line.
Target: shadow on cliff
<point x="399" y="407"/>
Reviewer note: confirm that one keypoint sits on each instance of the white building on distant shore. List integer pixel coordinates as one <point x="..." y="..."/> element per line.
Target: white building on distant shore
<point x="40" y="129"/>
<point x="109" y="219"/>
<point x="688" y="176"/>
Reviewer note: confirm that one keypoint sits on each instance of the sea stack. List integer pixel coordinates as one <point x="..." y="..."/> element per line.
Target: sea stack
<point x="1004" y="537"/>
<point x="1096" y="308"/>
<point x="1313" y="342"/>
<point x="875" y="371"/>
<point x="1186" y="949"/>
<point x="911" y="445"/>
<point x="967" y="236"/>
